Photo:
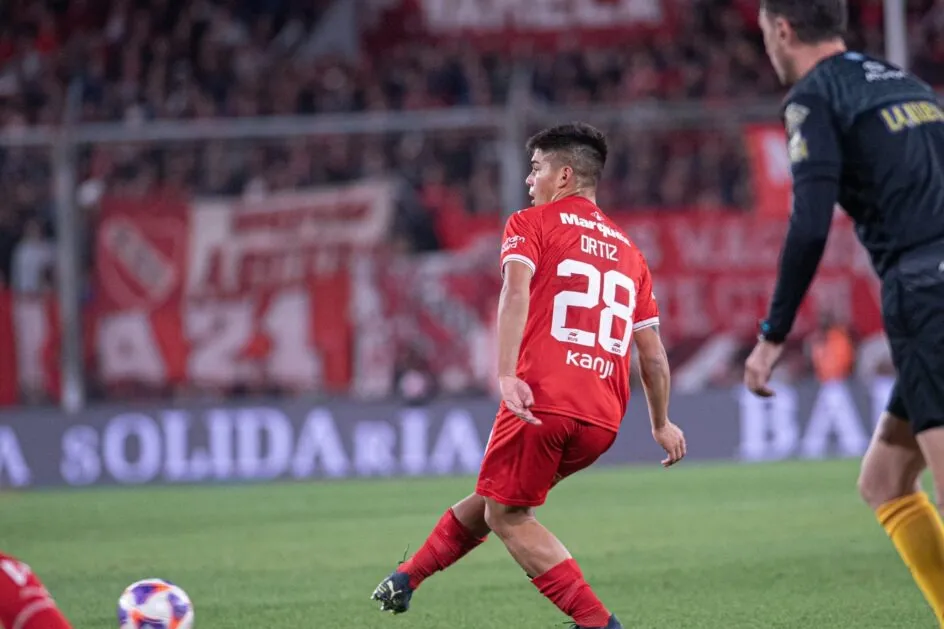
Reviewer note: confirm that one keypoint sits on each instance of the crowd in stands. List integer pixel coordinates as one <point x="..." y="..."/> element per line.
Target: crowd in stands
<point x="140" y="60"/>
<point x="134" y="61"/>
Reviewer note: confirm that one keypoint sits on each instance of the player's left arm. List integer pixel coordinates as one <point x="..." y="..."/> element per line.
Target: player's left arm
<point x="513" y="307"/>
<point x="816" y="165"/>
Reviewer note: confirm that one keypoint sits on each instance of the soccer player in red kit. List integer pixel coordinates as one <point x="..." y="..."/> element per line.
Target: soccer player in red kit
<point x="24" y="601"/>
<point x="576" y="292"/>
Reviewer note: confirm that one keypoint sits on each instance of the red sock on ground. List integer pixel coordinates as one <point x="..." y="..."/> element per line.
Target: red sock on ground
<point x="449" y="542"/>
<point x="565" y="586"/>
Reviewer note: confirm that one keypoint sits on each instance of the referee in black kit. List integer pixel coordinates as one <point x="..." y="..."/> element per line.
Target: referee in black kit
<point x="869" y="136"/>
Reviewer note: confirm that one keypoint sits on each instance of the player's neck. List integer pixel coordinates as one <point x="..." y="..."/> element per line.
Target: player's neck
<point x="812" y="55"/>
<point x="587" y="193"/>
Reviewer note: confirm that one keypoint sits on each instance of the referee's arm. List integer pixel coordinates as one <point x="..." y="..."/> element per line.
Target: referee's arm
<point x="816" y="161"/>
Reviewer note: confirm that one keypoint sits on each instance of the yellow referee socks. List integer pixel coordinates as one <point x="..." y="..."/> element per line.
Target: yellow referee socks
<point x="914" y="526"/>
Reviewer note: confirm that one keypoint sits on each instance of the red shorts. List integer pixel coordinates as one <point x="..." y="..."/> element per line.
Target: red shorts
<point x="523" y="462"/>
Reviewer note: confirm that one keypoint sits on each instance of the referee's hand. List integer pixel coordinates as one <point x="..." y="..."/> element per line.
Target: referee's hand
<point x="759" y="366"/>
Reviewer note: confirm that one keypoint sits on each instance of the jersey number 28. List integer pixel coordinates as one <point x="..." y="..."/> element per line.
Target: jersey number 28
<point x="609" y="282"/>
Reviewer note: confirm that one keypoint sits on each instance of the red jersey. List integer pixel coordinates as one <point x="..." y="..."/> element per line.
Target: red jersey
<point x="24" y="601"/>
<point x="590" y="290"/>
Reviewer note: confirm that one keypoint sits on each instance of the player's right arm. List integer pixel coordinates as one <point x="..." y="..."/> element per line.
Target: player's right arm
<point x="656" y="379"/>
<point x="655" y="373"/>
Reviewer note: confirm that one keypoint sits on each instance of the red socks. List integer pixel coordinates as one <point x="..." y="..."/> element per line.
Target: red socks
<point x="449" y="542"/>
<point x="565" y="586"/>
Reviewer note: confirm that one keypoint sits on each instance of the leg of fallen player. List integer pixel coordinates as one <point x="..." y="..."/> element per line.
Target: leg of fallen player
<point x="889" y="483"/>
<point x="547" y="562"/>
<point x="460" y="530"/>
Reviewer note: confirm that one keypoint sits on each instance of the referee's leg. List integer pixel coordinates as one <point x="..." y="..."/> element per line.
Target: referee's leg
<point x="924" y="533"/>
<point x="913" y="306"/>
<point x="893" y="463"/>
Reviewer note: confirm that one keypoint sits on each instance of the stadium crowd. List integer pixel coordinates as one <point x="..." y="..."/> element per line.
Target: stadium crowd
<point x="142" y="60"/>
<point x="157" y="59"/>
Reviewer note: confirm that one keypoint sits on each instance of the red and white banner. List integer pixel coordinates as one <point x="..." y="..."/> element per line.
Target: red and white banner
<point x="511" y="23"/>
<point x="225" y="292"/>
<point x="215" y="295"/>
<point x="439" y="309"/>
<point x="771" y="176"/>
<point x="228" y="292"/>
<point x="8" y="354"/>
<point x="29" y="347"/>
<point x="716" y="272"/>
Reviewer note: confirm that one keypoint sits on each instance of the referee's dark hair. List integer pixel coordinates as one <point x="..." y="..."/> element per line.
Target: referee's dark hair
<point x="813" y="21"/>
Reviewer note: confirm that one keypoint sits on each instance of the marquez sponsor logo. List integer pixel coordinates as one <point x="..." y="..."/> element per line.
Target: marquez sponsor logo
<point x="606" y="230"/>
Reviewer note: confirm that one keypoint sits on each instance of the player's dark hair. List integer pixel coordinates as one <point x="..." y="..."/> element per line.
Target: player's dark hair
<point x="578" y="145"/>
<point x="814" y="21"/>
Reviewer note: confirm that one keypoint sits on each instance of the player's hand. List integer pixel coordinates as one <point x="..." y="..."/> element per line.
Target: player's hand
<point x="759" y="366"/>
<point x="672" y="440"/>
<point x="518" y="398"/>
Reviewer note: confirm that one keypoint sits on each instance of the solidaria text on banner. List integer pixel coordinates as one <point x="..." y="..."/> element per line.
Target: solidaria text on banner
<point x="292" y="441"/>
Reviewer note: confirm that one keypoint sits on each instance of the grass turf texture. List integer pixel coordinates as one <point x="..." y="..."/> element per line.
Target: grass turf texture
<point x="774" y="545"/>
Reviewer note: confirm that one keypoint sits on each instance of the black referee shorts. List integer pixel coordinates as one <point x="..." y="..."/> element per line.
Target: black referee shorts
<point x="913" y="311"/>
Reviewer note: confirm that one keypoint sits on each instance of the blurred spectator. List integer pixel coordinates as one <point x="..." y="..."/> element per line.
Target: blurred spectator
<point x="832" y="350"/>
<point x="8" y="239"/>
<point x="415" y="383"/>
<point x="33" y="260"/>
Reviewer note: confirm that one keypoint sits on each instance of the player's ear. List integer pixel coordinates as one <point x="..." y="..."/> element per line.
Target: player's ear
<point x="783" y="30"/>
<point x="565" y="176"/>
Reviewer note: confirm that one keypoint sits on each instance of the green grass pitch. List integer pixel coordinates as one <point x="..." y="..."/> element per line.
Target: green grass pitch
<point x="700" y="546"/>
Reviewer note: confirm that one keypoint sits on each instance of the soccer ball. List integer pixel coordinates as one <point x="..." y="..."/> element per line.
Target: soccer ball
<point x="154" y="604"/>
